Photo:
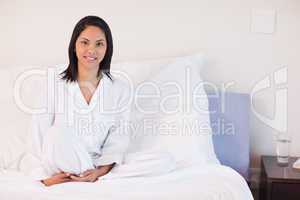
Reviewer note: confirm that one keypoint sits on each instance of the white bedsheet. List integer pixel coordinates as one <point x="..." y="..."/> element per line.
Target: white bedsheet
<point x="208" y="182"/>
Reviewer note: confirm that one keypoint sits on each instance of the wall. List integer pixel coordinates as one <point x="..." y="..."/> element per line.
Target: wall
<point x="36" y="33"/>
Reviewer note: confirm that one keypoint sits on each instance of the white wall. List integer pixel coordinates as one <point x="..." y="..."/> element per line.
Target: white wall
<point x="37" y="33"/>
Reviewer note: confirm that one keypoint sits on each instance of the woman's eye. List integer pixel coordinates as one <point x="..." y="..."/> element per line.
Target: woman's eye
<point x="100" y="44"/>
<point x="84" y="42"/>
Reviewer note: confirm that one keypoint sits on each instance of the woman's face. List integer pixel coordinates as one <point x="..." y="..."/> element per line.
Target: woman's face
<point x="90" y="47"/>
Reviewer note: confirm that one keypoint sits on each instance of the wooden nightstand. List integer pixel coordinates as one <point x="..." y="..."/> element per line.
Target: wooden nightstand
<point x="277" y="182"/>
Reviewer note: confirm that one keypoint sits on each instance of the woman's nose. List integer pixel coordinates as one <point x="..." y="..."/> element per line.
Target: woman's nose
<point x="91" y="49"/>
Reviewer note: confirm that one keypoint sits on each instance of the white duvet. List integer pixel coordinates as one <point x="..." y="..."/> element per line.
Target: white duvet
<point x="197" y="182"/>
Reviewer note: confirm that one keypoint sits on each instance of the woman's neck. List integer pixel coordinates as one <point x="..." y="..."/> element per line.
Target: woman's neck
<point x="88" y="75"/>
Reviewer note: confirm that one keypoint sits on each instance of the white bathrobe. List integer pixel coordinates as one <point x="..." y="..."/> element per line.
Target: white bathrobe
<point x="74" y="136"/>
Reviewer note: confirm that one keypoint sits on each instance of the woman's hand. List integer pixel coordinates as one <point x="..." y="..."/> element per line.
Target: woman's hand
<point x="87" y="176"/>
<point x="92" y="175"/>
<point x="61" y="177"/>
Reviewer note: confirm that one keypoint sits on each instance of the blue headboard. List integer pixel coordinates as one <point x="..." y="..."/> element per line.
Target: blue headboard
<point x="229" y="115"/>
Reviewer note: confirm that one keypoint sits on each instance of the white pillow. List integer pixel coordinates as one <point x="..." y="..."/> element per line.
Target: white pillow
<point x="156" y="126"/>
<point x="139" y="71"/>
<point x="13" y="123"/>
<point x="14" y="105"/>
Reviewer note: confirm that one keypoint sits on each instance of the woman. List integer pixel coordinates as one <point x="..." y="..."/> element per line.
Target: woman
<point x="83" y="134"/>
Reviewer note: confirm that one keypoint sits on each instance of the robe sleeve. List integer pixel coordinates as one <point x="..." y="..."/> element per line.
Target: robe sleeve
<point x="117" y="140"/>
<point x="39" y="125"/>
<point x="32" y="161"/>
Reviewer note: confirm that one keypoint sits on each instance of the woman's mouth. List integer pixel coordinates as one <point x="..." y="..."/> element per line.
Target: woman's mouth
<point x="90" y="58"/>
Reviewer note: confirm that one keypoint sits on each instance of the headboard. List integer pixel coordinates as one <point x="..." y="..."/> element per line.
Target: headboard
<point x="229" y="113"/>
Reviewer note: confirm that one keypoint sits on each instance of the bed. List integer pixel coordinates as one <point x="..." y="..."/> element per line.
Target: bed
<point x="186" y="180"/>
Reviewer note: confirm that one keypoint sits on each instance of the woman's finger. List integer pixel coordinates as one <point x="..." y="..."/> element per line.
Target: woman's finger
<point x="81" y="179"/>
<point x="86" y="173"/>
<point x="92" y="178"/>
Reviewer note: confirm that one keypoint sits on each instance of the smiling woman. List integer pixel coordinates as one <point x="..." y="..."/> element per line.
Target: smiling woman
<point x="62" y="147"/>
<point x="91" y="41"/>
<point x="90" y="49"/>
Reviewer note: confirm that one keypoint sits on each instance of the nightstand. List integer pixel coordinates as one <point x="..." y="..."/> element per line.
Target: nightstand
<point x="278" y="182"/>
